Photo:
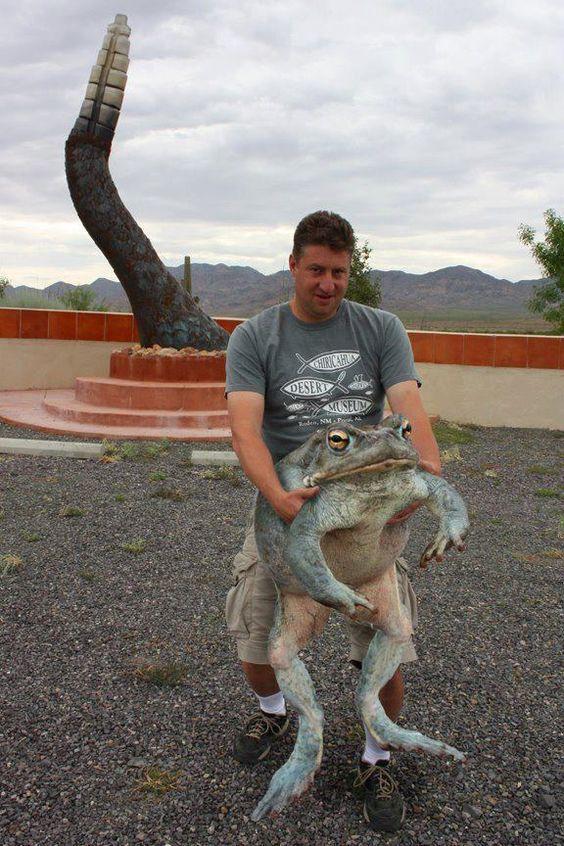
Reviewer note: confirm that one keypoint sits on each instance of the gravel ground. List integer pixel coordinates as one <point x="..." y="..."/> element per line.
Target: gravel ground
<point x="81" y="615"/>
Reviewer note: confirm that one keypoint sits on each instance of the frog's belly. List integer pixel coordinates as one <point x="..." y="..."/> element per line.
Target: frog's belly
<point x="357" y="557"/>
<point x="354" y="556"/>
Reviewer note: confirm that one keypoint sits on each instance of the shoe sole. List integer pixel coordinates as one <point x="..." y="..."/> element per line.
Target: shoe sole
<point x="387" y="830"/>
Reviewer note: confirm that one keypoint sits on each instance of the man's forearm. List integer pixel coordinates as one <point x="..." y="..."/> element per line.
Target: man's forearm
<point x="258" y="465"/>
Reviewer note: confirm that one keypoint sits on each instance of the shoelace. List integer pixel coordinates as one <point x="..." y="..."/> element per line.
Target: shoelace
<point x="262" y="724"/>
<point x="383" y="784"/>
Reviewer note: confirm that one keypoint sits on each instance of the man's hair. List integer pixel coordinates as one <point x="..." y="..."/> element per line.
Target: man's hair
<point x="326" y="228"/>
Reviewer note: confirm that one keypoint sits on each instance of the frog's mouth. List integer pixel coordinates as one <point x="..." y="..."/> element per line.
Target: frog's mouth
<point x="380" y="467"/>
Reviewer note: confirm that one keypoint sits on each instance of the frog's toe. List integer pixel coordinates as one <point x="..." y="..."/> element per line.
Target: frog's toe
<point x="287" y="784"/>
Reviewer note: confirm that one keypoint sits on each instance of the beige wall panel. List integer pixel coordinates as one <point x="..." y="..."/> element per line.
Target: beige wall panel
<point x="494" y="396"/>
<point x="52" y="364"/>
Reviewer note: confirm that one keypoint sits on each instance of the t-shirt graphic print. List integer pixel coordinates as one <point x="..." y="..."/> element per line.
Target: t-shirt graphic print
<point x="315" y="374"/>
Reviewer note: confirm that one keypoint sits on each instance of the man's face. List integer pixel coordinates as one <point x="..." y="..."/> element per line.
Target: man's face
<point x="321" y="277"/>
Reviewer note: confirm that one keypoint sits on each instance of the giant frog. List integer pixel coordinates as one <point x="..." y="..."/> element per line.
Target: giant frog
<point x="339" y="553"/>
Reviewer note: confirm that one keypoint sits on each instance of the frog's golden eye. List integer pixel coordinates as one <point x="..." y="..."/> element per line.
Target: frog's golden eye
<point x="405" y="427"/>
<point x="338" y="440"/>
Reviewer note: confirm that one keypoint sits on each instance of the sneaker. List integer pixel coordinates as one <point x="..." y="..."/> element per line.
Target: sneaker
<point x="384" y="808"/>
<point x="261" y="732"/>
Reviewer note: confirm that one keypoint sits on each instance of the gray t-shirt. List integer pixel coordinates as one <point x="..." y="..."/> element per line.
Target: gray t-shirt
<point x="315" y="374"/>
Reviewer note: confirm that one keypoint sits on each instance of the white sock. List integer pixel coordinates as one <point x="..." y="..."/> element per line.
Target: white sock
<point x="274" y="704"/>
<point x="373" y="752"/>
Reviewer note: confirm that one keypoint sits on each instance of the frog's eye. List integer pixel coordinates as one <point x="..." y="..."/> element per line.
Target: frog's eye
<point x="338" y="440"/>
<point x="405" y="427"/>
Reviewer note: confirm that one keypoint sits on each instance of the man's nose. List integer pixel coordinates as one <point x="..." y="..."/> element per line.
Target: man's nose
<point x="327" y="284"/>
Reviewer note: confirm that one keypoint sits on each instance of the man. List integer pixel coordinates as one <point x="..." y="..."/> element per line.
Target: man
<point x="290" y="369"/>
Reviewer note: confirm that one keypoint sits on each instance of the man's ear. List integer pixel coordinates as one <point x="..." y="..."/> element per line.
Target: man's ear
<point x="292" y="263"/>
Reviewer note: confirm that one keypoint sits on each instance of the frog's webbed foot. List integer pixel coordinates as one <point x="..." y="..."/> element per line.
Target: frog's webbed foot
<point x="379" y="665"/>
<point x="287" y="783"/>
<point x="344" y="599"/>
<point x="298" y="618"/>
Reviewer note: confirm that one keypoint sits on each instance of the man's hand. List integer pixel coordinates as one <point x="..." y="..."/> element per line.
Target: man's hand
<point x="289" y="503"/>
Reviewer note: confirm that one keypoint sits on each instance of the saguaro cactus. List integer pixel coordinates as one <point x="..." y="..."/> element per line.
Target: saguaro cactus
<point x="165" y="312"/>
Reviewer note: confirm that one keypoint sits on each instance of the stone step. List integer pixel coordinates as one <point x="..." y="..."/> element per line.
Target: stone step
<point x="63" y="404"/>
<point x="27" y="409"/>
<point x="168" y="396"/>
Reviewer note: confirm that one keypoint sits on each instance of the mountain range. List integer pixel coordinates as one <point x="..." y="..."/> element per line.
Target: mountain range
<point x="243" y="291"/>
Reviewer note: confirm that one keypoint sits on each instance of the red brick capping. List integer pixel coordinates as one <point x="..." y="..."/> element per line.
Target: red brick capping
<point x="482" y="350"/>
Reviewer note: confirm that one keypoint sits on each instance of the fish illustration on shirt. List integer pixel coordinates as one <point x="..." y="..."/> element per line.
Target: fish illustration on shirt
<point x="360" y="383"/>
<point x="313" y="387"/>
<point x="328" y="362"/>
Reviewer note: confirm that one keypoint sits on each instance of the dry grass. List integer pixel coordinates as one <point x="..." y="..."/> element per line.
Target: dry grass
<point x="161" y="675"/>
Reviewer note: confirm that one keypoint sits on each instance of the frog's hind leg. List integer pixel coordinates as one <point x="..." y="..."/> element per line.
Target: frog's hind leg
<point x="298" y="619"/>
<point x="379" y="665"/>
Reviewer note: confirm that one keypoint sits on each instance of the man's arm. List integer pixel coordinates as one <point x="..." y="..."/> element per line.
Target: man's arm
<point x="404" y="399"/>
<point x="246" y="410"/>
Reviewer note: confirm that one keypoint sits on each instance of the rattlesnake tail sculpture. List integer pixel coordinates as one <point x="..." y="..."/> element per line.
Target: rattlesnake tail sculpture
<point x="164" y="311"/>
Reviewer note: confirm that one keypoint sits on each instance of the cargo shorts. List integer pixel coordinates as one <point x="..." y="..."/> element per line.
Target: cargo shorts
<point x="250" y="603"/>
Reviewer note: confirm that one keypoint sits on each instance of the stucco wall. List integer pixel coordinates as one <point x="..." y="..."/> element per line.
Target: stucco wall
<point x="40" y="363"/>
<point x="494" y="396"/>
<point x="489" y="396"/>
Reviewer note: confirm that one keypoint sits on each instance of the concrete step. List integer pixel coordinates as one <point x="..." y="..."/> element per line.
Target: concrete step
<point x="64" y="404"/>
<point x="27" y="409"/>
<point x="168" y="396"/>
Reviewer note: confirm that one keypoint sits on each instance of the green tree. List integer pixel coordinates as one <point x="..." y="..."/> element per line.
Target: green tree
<point x="4" y="282"/>
<point x="82" y="299"/>
<point x="548" y="299"/>
<point x="362" y="288"/>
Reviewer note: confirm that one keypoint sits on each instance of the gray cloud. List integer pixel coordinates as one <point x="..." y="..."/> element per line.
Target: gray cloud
<point x="434" y="127"/>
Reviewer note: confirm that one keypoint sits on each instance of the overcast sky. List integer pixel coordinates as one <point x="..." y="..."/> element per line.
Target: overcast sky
<point x="434" y="126"/>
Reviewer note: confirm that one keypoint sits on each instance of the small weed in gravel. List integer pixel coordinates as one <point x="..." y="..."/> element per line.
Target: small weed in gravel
<point x="452" y="454"/>
<point x="119" y="497"/>
<point x="154" y="450"/>
<point x="109" y="448"/>
<point x="164" y="492"/>
<point x="9" y="563"/>
<point x="449" y="434"/>
<point x="162" y="675"/>
<point x="540" y="470"/>
<point x="527" y="558"/>
<point x="71" y="511"/>
<point x="87" y="574"/>
<point x="157" y="781"/>
<point x="226" y="473"/>
<point x="547" y="492"/>
<point x="134" y="451"/>
<point x="135" y="546"/>
<point x="157" y="476"/>
<point x="31" y="537"/>
<point x="553" y="553"/>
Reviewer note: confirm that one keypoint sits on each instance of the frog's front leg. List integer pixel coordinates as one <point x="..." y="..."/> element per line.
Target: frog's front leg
<point x="298" y="618"/>
<point x="446" y="504"/>
<point x="302" y="553"/>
